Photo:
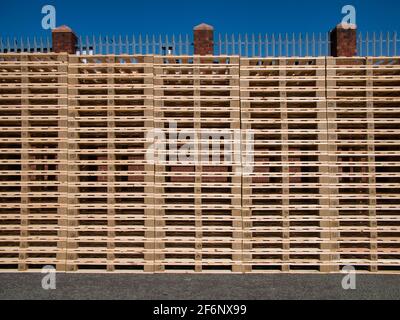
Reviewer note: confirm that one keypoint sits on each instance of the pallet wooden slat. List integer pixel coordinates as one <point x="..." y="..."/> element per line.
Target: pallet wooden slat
<point x="311" y="183"/>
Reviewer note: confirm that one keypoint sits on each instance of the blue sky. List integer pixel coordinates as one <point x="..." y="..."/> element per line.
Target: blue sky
<point x="87" y="17"/>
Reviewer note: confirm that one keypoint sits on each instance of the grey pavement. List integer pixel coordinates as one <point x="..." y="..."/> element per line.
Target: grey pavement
<point x="27" y="286"/>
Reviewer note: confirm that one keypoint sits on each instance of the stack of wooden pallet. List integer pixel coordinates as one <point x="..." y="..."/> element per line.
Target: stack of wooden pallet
<point x="364" y="142"/>
<point x="33" y="151"/>
<point x="132" y="163"/>
<point x="285" y="195"/>
<point x="198" y="194"/>
<point x="111" y="208"/>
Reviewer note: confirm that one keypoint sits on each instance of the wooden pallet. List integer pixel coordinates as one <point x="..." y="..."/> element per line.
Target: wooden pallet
<point x="33" y="99"/>
<point x="311" y="184"/>
<point x="111" y="182"/>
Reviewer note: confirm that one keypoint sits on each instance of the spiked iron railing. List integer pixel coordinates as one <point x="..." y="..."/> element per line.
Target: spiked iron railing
<point x="247" y="45"/>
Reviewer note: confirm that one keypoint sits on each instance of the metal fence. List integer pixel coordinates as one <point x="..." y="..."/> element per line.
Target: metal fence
<point x="273" y="45"/>
<point x="141" y="44"/>
<point x="243" y="45"/>
<point x="247" y="45"/>
<point x="378" y="44"/>
<point x="33" y="45"/>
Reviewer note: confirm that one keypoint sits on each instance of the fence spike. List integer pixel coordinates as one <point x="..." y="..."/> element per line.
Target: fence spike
<point x="160" y="44"/>
<point x="114" y="45"/>
<point x="94" y="44"/>
<point x="35" y="46"/>
<point x="187" y="44"/>
<point x="287" y="44"/>
<point x="147" y="43"/>
<point x="166" y="44"/>
<point x="233" y="44"/>
<point x="8" y="44"/>
<point x="226" y="44"/>
<point x="13" y="44"/>
<point x="327" y="44"/>
<point x="21" y="44"/>
<point x="106" y="45"/>
<point x="87" y="45"/>
<point x="140" y="51"/>
<point x="180" y="44"/>
<point x="246" y="43"/>
<point x="41" y="45"/>
<point x="173" y="45"/>
<point x="133" y="44"/>
<point x="219" y="44"/>
<point x="314" y="53"/>
<point x="293" y="44"/>
<point x="239" y="44"/>
<point x="100" y="44"/>
<point x="320" y="44"/>
<point x="307" y="45"/>
<point x="120" y="44"/>
<point x="300" y="46"/>
<point x="273" y="44"/>
<point x="280" y="44"/>
<point x="253" y="47"/>
<point x="153" y="40"/>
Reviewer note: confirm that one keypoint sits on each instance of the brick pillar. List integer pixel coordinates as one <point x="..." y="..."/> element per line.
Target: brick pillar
<point x="344" y="40"/>
<point x="64" y="40"/>
<point x="203" y="40"/>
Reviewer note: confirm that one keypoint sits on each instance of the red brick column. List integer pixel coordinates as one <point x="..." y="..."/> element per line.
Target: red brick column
<point x="64" y="40"/>
<point x="344" y="40"/>
<point x="203" y="40"/>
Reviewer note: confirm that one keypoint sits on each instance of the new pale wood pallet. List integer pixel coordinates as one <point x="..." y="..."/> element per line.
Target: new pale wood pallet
<point x="285" y="190"/>
<point x="317" y="190"/>
<point x="33" y="176"/>
<point x="198" y="202"/>
<point x="111" y="182"/>
<point x="363" y="95"/>
<point x="207" y="89"/>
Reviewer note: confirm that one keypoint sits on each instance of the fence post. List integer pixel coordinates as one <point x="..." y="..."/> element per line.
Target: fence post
<point x="203" y="39"/>
<point x="64" y="40"/>
<point x="344" y="40"/>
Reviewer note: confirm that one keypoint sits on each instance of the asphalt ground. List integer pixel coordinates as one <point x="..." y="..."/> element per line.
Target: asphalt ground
<point x="28" y="286"/>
